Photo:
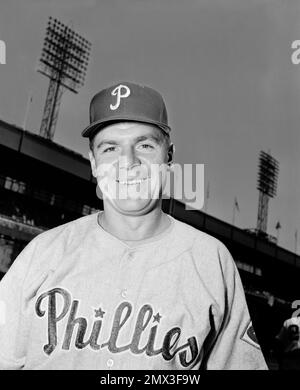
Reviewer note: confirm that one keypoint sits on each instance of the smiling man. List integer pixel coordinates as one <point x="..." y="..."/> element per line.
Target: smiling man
<point x="129" y="160"/>
<point x="129" y="287"/>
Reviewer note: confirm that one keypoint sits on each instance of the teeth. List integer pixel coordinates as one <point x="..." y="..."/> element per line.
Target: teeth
<point x="131" y="182"/>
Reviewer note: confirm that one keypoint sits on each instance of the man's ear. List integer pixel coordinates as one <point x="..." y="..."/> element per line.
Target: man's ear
<point x="93" y="163"/>
<point x="171" y="151"/>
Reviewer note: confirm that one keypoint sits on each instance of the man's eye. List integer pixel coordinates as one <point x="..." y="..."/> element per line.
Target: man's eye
<point x="109" y="149"/>
<point x="146" y="146"/>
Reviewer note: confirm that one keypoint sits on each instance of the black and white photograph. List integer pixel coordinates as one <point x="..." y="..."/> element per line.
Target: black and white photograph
<point x="150" y="187"/>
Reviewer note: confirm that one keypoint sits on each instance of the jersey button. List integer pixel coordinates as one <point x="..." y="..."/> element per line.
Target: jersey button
<point x="124" y="293"/>
<point x="110" y="363"/>
<point x="130" y="255"/>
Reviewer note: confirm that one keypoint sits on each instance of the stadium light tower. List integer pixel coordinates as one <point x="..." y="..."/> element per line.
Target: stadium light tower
<point x="64" y="60"/>
<point x="267" y="187"/>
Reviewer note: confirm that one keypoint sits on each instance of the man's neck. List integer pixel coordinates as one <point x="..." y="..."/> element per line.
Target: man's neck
<point x="134" y="228"/>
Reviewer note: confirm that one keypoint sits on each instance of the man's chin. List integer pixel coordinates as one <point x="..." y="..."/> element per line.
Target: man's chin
<point x="133" y="206"/>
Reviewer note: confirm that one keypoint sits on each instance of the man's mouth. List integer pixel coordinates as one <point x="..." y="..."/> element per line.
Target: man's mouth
<point x="132" y="182"/>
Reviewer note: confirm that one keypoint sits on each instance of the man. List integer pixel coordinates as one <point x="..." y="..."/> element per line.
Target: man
<point x="287" y="345"/>
<point x="129" y="287"/>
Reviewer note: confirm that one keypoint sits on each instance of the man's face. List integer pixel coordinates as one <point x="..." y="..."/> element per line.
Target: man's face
<point x="129" y="160"/>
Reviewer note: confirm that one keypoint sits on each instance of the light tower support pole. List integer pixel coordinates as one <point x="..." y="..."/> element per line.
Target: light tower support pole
<point x="267" y="187"/>
<point x="64" y="60"/>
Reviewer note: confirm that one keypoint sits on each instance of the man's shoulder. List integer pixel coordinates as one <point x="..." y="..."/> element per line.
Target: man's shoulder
<point x="208" y="252"/>
<point x="46" y="251"/>
<point x="77" y="226"/>
<point x="211" y="259"/>
<point x="197" y="238"/>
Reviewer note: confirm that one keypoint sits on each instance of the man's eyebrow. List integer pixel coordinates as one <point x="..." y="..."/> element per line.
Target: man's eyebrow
<point x="106" y="142"/>
<point x="137" y="139"/>
<point x="147" y="137"/>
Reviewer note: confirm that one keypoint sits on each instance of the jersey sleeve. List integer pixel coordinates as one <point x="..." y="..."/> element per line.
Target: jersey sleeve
<point x="235" y="346"/>
<point x="12" y="326"/>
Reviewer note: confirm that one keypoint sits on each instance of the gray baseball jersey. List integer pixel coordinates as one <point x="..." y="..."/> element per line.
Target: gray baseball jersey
<point x="79" y="298"/>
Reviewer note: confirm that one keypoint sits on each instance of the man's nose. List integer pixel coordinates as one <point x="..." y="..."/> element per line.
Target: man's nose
<point x="128" y="158"/>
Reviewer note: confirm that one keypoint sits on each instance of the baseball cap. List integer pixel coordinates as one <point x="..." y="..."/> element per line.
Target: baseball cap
<point x="126" y="101"/>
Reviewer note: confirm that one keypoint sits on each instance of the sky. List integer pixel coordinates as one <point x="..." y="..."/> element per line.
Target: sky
<point x="223" y="66"/>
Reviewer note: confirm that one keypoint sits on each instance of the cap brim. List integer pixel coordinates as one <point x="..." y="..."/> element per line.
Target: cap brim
<point x="93" y="128"/>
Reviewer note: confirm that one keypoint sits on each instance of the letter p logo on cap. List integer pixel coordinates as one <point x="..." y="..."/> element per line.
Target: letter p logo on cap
<point x="118" y="92"/>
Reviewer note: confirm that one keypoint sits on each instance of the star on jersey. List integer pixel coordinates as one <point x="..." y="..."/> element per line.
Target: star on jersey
<point x="99" y="312"/>
<point x="157" y="317"/>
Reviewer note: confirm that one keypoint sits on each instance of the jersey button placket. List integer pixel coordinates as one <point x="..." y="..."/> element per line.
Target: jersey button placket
<point x="127" y="259"/>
